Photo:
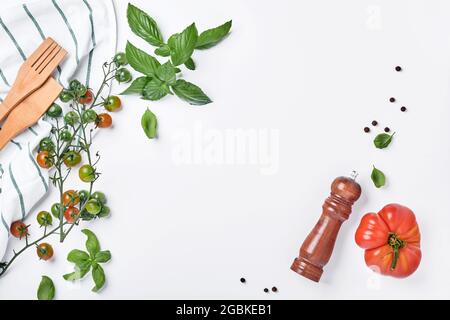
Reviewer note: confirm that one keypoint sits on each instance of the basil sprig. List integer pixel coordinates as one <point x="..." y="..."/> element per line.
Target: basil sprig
<point x="161" y="79"/>
<point x="89" y="261"/>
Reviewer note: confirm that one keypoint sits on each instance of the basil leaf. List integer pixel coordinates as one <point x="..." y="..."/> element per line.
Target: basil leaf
<point x="190" y="93"/>
<point x="378" y="178"/>
<point x="383" y="140"/>
<point x="79" y="273"/>
<point x="163" y="51"/>
<point x="99" y="277"/>
<point x="211" y="37"/>
<point x="144" y="26"/>
<point x="141" y="61"/>
<point x="46" y="290"/>
<point x="92" y="244"/>
<point x="190" y="64"/>
<point x="103" y="256"/>
<point x="149" y="124"/>
<point x="137" y="86"/>
<point x="155" y="90"/>
<point x="166" y="73"/>
<point x="182" y="45"/>
<point x="77" y="256"/>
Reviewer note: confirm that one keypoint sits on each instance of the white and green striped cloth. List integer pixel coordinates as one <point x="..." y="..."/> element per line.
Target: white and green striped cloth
<point x="87" y="29"/>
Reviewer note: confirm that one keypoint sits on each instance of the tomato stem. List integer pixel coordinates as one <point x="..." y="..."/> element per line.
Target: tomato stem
<point x="396" y="244"/>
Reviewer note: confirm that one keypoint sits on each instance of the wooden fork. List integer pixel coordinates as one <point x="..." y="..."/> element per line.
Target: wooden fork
<point x="32" y="74"/>
<point x="29" y="111"/>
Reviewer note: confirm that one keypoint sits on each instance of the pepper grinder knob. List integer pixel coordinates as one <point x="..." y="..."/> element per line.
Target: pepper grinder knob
<point x="318" y="246"/>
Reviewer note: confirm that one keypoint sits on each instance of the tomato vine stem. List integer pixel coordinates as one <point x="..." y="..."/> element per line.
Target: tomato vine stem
<point x="59" y="177"/>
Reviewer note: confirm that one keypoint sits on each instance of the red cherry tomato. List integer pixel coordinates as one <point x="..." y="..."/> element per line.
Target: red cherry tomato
<point x="19" y="229"/>
<point x="44" y="251"/>
<point x="391" y="239"/>
<point x="71" y="214"/>
<point x="104" y="120"/>
<point x="70" y="198"/>
<point x="44" y="159"/>
<point x="88" y="98"/>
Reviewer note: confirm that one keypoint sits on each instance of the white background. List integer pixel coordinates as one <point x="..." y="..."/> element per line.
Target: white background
<point x="316" y="71"/>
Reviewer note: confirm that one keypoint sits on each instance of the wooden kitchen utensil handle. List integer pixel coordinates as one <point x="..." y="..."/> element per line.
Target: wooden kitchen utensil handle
<point x="318" y="246"/>
<point x="29" y="111"/>
<point x="32" y="74"/>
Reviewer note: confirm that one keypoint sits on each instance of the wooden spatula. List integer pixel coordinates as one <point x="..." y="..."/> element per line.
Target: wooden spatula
<point x="32" y="74"/>
<point x="29" y="111"/>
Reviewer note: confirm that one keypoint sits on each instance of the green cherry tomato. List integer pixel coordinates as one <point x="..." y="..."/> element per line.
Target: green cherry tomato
<point x="112" y="103"/>
<point x="55" y="111"/>
<point x="93" y="206"/>
<point x="74" y="84"/>
<point x="71" y="118"/>
<point x="104" y="212"/>
<point x="88" y="116"/>
<point x="72" y="159"/>
<point x="56" y="210"/>
<point x="81" y="90"/>
<point x="66" y="96"/>
<point x="123" y="75"/>
<point x="44" y="219"/>
<point x="46" y="144"/>
<point x="84" y="195"/>
<point x="66" y="135"/>
<point x="120" y="59"/>
<point x="100" y="196"/>
<point x="87" y="173"/>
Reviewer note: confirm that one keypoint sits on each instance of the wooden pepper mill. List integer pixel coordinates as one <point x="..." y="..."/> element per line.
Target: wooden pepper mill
<point x="318" y="246"/>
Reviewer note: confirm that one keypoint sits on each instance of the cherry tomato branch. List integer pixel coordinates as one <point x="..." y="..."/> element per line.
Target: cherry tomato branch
<point x="5" y="267"/>
<point x="63" y="150"/>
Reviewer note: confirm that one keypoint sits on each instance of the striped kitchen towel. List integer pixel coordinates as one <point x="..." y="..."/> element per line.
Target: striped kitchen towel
<point x="87" y="30"/>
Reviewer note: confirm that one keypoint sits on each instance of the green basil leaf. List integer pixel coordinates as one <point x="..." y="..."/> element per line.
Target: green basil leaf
<point x="182" y="45"/>
<point x="141" y="61"/>
<point x="137" y="86"/>
<point x="144" y="26"/>
<point x="190" y="93"/>
<point x="92" y="244"/>
<point x="166" y="72"/>
<point x="378" y="178"/>
<point x="149" y="124"/>
<point x="211" y="37"/>
<point x="77" y="256"/>
<point x="163" y="51"/>
<point x="46" y="290"/>
<point x="383" y="140"/>
<point x="155" y="90"/>
<point x="103" y="256"/>
<point x="79" y="273"/>
<point x="99" y="277"/>
<point x="190" y="64"/>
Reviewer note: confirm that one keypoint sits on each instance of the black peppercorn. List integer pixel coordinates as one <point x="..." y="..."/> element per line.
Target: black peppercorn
<point x="392" y="100"/>
<point x="387" y="130"/>
<point x="398" y="68"/>
<point x="366" y="129"/>
<point x="274" y="289"/>
<point x="403" y="109"/>
<point x="243" y="280"/>
<point x="266" y="290"/>
<point x="374" y="123"/>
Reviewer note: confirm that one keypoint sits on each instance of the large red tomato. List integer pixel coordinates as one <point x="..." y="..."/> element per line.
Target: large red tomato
<point x="391" y="239"/>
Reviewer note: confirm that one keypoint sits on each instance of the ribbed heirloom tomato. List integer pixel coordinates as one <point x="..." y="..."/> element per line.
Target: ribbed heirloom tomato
<point x="391" y="239"/>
